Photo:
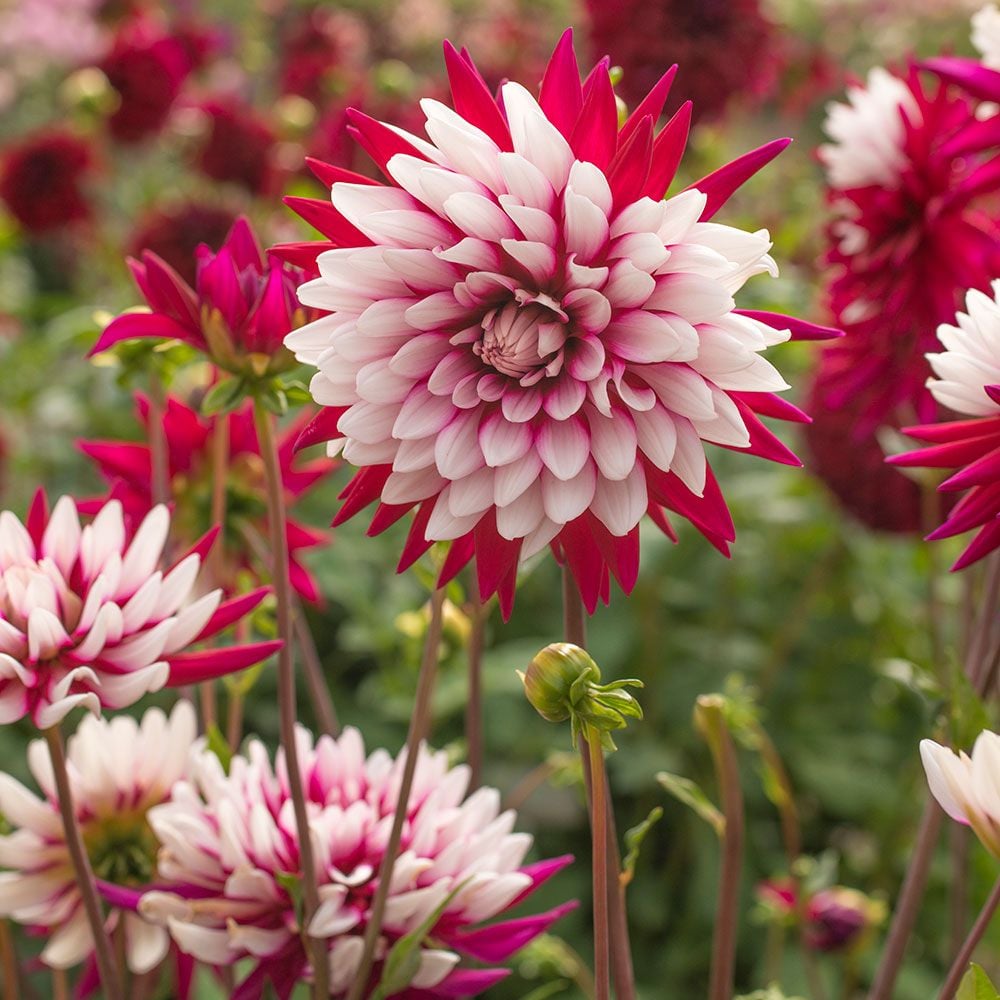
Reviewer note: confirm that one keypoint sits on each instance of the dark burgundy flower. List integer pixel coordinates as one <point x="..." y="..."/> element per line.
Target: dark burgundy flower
<point x="322" y="51"/>
<point x="239" y="147"/>
<point x="174" y="234"/>
<point x="40" y="179"/>
<point x="724" y="48"/>
<point x="147" y="67"/>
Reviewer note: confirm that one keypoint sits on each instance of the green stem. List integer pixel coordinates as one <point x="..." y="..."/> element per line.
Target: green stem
<point x="961" y="963"/>
<point x="319" y="693"/>
<point x="104" y="951"/>
<point x="599" y="836"/>
<point x="286" y="690"/>
<point x="8" y="963"/>
<point x="419" y="726"/>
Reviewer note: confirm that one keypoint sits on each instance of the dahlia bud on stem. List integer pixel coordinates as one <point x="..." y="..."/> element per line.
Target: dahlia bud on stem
<point x="562" y="683"/>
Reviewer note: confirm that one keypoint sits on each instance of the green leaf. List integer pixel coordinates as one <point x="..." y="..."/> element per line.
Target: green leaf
<point x="633" y="842"/>
<point x="218" y="745"/>
<point x="224" y="396"/>
<point x="275" y="400"/>
<point x="690" y="794"/>
<point x="976" y="985"/>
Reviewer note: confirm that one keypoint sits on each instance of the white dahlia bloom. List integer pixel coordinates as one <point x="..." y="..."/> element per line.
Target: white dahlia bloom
<point x="968" y="787"/>
<point x="230" y="859"/>
<point x="118" y="769"/>
<point x="868" y="133"/>
<point x="971" y="361"/>
<point x="986" y="35"/>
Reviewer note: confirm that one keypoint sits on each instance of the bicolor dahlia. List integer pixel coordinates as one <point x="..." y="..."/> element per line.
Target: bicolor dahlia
<point x="42" y="177"/>
<point x="525" y="343"/>
<point x="238" y="311"/>
<point x="968" y="382"/>
<point x="230" y="855"/>
<point x="966" y="785"/>
<point x="909" y="235"/>
<point x="127" y="467"/>
<point x="88" y="616"/>
<point x="119" y="769"/>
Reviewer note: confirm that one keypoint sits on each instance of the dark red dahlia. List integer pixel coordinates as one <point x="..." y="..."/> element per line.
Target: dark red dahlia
<point x="41" y="179"/>
<point x="724" y="48"/>
<point x="239" y="147"/>
<point x="174" y="234"/>
<point x="322" y="51"/>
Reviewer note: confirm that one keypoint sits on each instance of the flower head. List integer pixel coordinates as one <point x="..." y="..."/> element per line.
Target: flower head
<point x="966" y="786"/>
<point x="119" y="769"/>
<point x="525" y="343"/>
<point x="41" y="180"/>
<point x="230" y="853"/>
<point x="88" y="617"/>
<point x="909" y="235"/>
<point x="127" y="467"/>
<point x="239" y="147"/>
<point x="968" y="382"/>
<point x="238" y="311"/>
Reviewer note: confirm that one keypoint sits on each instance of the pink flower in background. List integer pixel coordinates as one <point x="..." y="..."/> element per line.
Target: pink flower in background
<point x="42" y="177"/>
<point x="527" y="345"/>
<point x="38" y="34"/>
<point x="239" y="147"/>
<point x="910" y="233"/>
<point x="88" y="616"/>
<point x="126" y="465"/>
<point x="229" y="848"/>
<point x="238" y="310"/>
<point x="119" y="769"/>
<point x="968" y="382"/>
<point x="725" y="49"/>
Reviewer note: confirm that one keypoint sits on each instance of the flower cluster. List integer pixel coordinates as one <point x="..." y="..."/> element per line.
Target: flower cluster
<point x="88" y="616"/>
<point x="229" y="844"/>
<point x="525" y="343"/>
<point x="119" y="770"/>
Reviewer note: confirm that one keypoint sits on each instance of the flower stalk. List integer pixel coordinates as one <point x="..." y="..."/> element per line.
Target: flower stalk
<point x="961" y="963"/>
<point x="419" y="727"/>
<point x="103" y="949"/>
<point x="599" y="837"/>
<point x="286" y="687"/>
<point x="474" y="705"/>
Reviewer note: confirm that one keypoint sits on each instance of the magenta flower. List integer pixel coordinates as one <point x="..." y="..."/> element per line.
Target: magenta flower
<point x="127" y="467"/>
<point x="88" y="617"/>
<point x="229" y="854"/>
<point x="119" y="769"/>
<point x="910" y="233"/>
<point x="525" y="343"/>
<point x="238" y="311"/>
<point x="968" y="382"/>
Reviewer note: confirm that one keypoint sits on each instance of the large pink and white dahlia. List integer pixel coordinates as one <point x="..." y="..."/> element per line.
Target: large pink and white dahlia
<point x="230" y="854"/>
<point x="89" y="617"/>
<point x="525" y="343"/>
<point x="119" y="769"/>
<point x="968" y="383"/>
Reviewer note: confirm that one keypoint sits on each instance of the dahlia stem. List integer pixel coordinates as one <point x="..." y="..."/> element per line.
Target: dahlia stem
<point x="474" y="705"/>
<point x="959" y="843"/>
<point x="8" y="962"/>
<point x="159" y="456"/>
<point x="575" y="631"/>
<point x="60" y="985"/>
<point x="103" y="949"/>
<point x="720" y="744"/>
<point x="286" y="689"/>
<point x="319" y="693"/>
<point x="599" y="837"/>
<point x="961" y="963"/>
<point x="419" y="726"/>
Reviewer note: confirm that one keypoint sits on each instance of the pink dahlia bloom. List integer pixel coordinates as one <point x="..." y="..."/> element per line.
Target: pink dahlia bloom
<point x="238" y="311"/>
<point x="528" y="345"/>
<point x="88" y="616"/>
<point x="229" y="844"/>
<point x="910" y="233"/>
<point x="127" y="467"/>
<point x="119" y="769"/>
<point x="968" y="382"/>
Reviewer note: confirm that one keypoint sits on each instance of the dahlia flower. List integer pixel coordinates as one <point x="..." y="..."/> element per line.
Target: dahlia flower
<point x="725" y="48"/>
<point x="525" y="343"/>
<point x="40" y="180"/>
<point x="119" y="769"/>
<point x="968" y="382"/>
<point x="909" y="235"/>
<point x="87" y="617"/>
<point x="238" y="311"/>
<point x="239" y="148"/>
<point x="965" y="785"/>
<point x="229" y="846"/>
<point x="127" y="467"/>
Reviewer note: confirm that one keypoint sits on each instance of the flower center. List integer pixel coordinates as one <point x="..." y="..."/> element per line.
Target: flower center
<point x="122" y="848"/>
<point x="524" y="338"/>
